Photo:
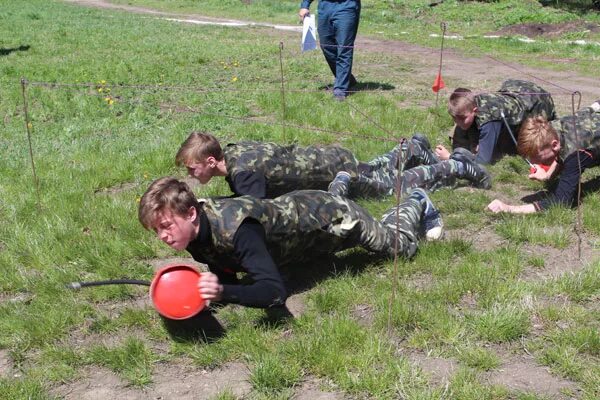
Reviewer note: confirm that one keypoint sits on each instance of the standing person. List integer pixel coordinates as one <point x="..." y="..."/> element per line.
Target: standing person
<point x="256" y="236"/>
<point x="560" y="149"/>
<point x="337" y="26"/>
<point x="479" y="122"/>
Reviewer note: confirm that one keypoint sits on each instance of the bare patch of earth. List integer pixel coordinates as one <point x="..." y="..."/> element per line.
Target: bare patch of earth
<point x="479" y="73"/>
<point x="438" y="370"/>
<point x="363" y="313"/>
<point x="524" y="375"/>
<point x="314" y="390"/>
<point x="6" y="369"/>
<point x="547" y="30"/>
<point x="485" y="239"/>
<point x="560" y="261"/>
<point x="296" y="304"/>
<point x="170" y="381"/>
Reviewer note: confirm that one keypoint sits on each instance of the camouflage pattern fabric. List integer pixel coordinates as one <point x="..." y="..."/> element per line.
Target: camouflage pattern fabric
<point x="581" y="131"/>
<point x="311" y="223"/>
<point x="518" y="99"/>
<point x="288" y="168"/>
<point x="430" y="177"/>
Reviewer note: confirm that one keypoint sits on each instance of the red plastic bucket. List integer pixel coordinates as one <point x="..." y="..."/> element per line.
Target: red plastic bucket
<point x="174" y="291"/>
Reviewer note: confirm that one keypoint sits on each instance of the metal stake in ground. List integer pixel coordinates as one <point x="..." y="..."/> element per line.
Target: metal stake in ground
<point x="282" y="88"/>
<point x="532" y="168"/>
<point x="28" y="129"/>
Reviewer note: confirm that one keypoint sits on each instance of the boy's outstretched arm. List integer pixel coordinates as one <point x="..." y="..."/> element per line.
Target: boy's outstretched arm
<point x="498" y="206"/>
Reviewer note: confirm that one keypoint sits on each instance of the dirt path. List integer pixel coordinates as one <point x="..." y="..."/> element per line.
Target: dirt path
<point x="484" y="72"/>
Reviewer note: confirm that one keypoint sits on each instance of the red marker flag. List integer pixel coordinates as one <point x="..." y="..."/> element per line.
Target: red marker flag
<point x="438" y="83"/>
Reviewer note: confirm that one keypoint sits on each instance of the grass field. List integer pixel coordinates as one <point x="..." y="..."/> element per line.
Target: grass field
<point x="111" y="95"/>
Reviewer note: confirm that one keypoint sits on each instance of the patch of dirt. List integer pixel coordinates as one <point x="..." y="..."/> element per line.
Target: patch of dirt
<point x="438" y="370"/>
<point x="560" y="261"/>
<point x="170" y="381"/>
<point x="485" y="239"/>
<point x="296" y="304"/>
<point x="547" y="30"/>
<point x="177" y="381"/>
<point x="524" y="375"/>
<point x="315" y="390"/>
<point x="6" y="369"/>
<point x="363" y="313"/>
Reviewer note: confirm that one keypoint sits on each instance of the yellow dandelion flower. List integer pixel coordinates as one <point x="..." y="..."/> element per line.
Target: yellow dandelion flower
<point x="29" y="125"/>
<point x="234" y="79"/>
<point x="138" y="199"/>
<point x="110" y="102"/>
<point x="103" y="82"/>
<point x="145" y="176"/>
<point x="100" y="90"/>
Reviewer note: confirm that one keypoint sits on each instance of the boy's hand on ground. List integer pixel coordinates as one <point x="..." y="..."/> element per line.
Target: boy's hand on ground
<point x="442" y="152"/>
<point x="497" y="206"/>
<point x="209" y="287"/>
<point x="303" y="13"/>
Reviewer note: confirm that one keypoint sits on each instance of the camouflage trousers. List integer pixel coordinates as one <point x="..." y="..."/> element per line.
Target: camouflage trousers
<point x="396" y="233"/>
<point x="379" y="177"/>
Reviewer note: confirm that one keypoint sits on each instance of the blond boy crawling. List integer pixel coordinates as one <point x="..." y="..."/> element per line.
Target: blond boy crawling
<point x="568" y="146"/>
<point x="256" y="236"/>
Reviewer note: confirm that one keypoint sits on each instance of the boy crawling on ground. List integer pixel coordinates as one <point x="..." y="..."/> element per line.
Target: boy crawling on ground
<point x="564" y="145"/>
<point x="255" y="236"/>
<point x="268" y="170"/>
<point x="480" y="127"/>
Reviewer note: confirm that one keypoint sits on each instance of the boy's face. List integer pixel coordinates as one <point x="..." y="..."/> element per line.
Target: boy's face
<point x="201" y="170"/>
<point x="547" y="154"/>
<point x="465" y="119"/>
<point x="175" y="230"/>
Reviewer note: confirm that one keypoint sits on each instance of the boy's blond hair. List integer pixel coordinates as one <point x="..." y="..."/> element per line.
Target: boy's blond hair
<point x="461" y="101"/>
<point x="165" y="194"/>
<point x="197" y="148"/>
<point x="535" y="134"/>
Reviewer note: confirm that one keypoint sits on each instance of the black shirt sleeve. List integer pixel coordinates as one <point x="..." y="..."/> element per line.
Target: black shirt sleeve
<point x="249" y="183"/>
<point x="488" y="137"/>
<point x="565" y="191"/>
<point x="267" y="288"/>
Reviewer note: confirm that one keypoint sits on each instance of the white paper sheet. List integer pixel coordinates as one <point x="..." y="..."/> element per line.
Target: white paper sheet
<point x="309" y="33"/>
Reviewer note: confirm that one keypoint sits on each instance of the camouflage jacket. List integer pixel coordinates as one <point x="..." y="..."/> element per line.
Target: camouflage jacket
<point x="518" y="99"/>
<point x="581" y="131"/>
<point x="295" y="224"/>
<point x="288" y="168"/>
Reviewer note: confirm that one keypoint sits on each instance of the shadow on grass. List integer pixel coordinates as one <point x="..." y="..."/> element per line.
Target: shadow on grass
<point x="363" y="87"/>
<point x="5" y="51"/>
<point x="204" y="327"/>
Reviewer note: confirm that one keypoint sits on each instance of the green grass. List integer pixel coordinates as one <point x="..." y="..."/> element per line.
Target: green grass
<point x="459" y="298"/>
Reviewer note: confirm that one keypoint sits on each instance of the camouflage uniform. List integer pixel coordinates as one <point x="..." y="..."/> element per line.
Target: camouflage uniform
<point x="585" y="135"/>
<point x="288" y="168"/>
<point x="311" y="223"/>
<point x="518" y="100"/>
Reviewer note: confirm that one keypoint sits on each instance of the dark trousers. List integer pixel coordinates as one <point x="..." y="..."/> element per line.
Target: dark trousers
<point x="337" y="27"/>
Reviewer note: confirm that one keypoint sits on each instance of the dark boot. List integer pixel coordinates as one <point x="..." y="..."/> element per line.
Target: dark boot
<point x="471" y="171"/>
<point x="422" y="151"/>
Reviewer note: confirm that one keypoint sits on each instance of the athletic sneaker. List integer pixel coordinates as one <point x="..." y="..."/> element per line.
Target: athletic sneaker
<point x="431" y="222"/>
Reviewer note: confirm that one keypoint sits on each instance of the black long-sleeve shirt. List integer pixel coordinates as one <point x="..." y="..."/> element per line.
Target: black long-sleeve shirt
<point x="566" y="189"/>
<point x="250" y="256"/>
<point x="249" y="183"/>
